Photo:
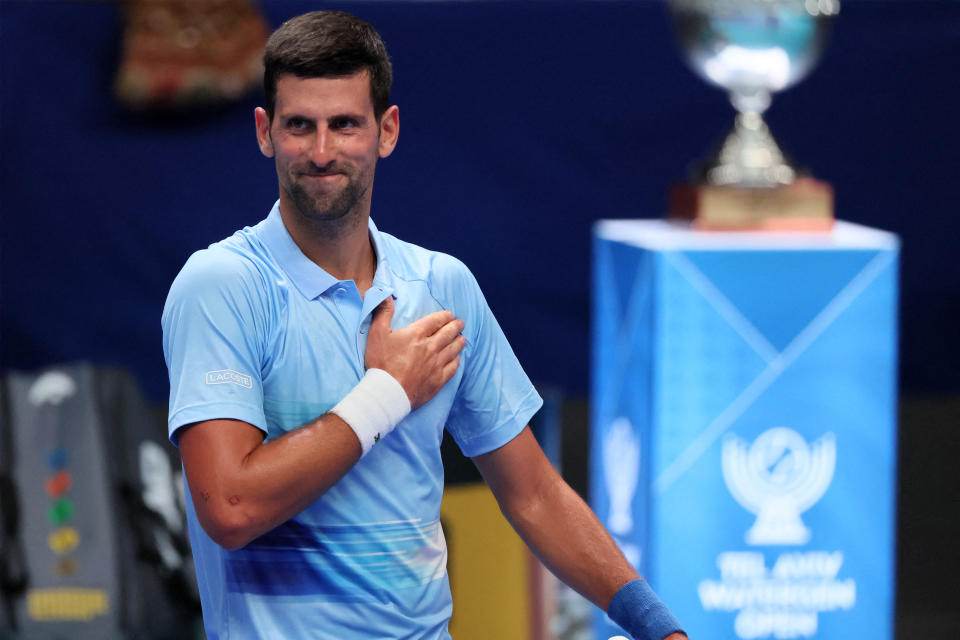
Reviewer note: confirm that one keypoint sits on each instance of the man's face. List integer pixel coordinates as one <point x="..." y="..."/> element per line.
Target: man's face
<point x="326" y="140"/>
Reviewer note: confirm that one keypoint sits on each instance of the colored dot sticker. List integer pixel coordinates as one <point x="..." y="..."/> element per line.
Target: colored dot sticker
<point x="60" y="511"/>
<point x="57" y="458"/>
<point x="59" y="484"/>
<point x="63" y="540"/>
<point x="65" y="567"/>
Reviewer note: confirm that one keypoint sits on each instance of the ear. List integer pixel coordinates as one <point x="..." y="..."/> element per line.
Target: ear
<point x="263" y="131"/>
<point x="389" y="130"/>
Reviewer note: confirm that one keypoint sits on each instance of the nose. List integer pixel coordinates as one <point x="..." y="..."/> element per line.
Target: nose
<point x="323" y="149"/>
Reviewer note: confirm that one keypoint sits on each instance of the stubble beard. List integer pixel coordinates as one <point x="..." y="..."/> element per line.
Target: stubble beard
<point x="329" y="214"/>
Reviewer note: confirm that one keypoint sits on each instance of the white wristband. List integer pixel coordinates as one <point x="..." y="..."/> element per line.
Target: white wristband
<point x="374" y="407"/>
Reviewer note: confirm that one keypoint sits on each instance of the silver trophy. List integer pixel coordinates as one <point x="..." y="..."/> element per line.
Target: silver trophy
<point x="751" y="48"/>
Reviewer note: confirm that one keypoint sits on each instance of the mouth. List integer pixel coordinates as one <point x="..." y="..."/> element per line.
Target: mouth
<point x="320" y="174"/>
<point x="322" y="180"/>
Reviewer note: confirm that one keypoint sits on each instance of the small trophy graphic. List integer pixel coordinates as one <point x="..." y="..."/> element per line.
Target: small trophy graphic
<point x="752" y="48"/>
<point x="778" y="477"/>
<point x="621" y="471"/>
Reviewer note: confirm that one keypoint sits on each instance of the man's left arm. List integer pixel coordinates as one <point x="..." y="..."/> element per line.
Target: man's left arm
<point x="558" y="526"/>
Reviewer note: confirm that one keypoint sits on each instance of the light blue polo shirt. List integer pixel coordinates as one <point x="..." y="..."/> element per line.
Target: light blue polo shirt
<point x="255" y="331"/>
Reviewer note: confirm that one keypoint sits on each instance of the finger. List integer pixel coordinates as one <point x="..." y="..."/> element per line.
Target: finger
<point x="452" y="350"/>
<point x="432" y="322"/>
<point x="382" y="315"/>
<point x="447" y="333"/>
<point x="450" y="369"/>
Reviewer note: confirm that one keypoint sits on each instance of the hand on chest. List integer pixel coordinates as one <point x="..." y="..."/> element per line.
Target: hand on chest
<point x="316" y="353"/>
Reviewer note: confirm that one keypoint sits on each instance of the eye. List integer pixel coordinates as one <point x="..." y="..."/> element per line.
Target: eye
<point x="343" y="122"/>
<point x="300" y="124"/>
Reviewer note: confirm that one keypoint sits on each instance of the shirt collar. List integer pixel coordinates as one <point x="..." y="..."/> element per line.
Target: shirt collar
<point x="310" y="279"/>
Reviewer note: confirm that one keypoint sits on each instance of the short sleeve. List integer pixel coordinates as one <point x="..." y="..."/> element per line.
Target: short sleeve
<point x="496" y="399"/>
<point x="213" y="328"/>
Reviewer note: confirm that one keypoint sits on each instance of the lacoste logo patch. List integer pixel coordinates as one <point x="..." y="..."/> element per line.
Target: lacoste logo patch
<point x="229" y="376"/>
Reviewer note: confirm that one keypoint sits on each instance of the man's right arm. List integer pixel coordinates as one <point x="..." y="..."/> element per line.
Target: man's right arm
<point x="243" y="487"/>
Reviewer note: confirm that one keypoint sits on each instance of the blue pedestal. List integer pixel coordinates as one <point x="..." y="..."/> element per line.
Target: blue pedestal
<point x="743" y="446"/>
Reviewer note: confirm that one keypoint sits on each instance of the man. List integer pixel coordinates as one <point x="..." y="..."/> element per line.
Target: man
<point x="314" y="363"/>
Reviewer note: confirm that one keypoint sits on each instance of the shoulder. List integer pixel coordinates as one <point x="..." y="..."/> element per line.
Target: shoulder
<point x="230" y="274"/>
<point x="227" y="264"/>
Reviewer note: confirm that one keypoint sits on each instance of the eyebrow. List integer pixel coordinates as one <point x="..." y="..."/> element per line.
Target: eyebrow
<point x="360" y="119"/>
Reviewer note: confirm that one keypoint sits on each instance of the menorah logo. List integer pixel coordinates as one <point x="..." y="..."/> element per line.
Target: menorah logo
<point x="777" y="478"/>
<point x="621" y="471"/>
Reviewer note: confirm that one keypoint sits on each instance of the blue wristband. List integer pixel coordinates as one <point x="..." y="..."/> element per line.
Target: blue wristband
<point x="637" y="609"/>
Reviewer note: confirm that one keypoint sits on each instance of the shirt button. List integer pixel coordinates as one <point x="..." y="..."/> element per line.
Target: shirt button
<point x="340" y="291"/>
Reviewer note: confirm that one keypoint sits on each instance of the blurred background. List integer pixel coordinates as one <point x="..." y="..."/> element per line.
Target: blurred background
<point x="523" y="123"/>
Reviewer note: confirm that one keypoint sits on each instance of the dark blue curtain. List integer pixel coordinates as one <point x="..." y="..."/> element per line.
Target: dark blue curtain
<point x="521" y="124"/>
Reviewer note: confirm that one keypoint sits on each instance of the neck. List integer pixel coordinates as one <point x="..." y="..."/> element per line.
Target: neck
<point x="341" y="247"/>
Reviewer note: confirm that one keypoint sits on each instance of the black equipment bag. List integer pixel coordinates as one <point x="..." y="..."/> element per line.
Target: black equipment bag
<point x="92" y="530"/>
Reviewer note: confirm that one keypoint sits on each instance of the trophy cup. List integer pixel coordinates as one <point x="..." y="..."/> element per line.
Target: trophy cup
<point x="752" y="48"/>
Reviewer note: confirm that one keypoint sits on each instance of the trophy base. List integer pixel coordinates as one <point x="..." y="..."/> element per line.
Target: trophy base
<point x="806" y="204"/>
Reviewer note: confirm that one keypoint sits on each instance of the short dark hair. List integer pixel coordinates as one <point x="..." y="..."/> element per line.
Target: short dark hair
<point x="327" y="43"/>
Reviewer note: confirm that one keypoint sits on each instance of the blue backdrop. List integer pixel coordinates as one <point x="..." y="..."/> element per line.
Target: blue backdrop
<point x="522" y="123"/>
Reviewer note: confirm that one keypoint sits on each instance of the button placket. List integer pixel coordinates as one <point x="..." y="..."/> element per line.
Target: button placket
<point x="371" y="300"/>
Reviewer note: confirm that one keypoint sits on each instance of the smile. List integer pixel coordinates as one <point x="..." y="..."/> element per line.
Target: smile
<point x="320" y="176"/>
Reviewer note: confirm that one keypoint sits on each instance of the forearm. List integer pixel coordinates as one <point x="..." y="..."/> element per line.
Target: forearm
<point x="248" y="487"/>
<point x="566" y="536"/>
<point x="552" y="519"/>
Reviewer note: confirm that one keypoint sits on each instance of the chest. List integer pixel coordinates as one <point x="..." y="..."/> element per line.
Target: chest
<point x="314" y="354"/>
